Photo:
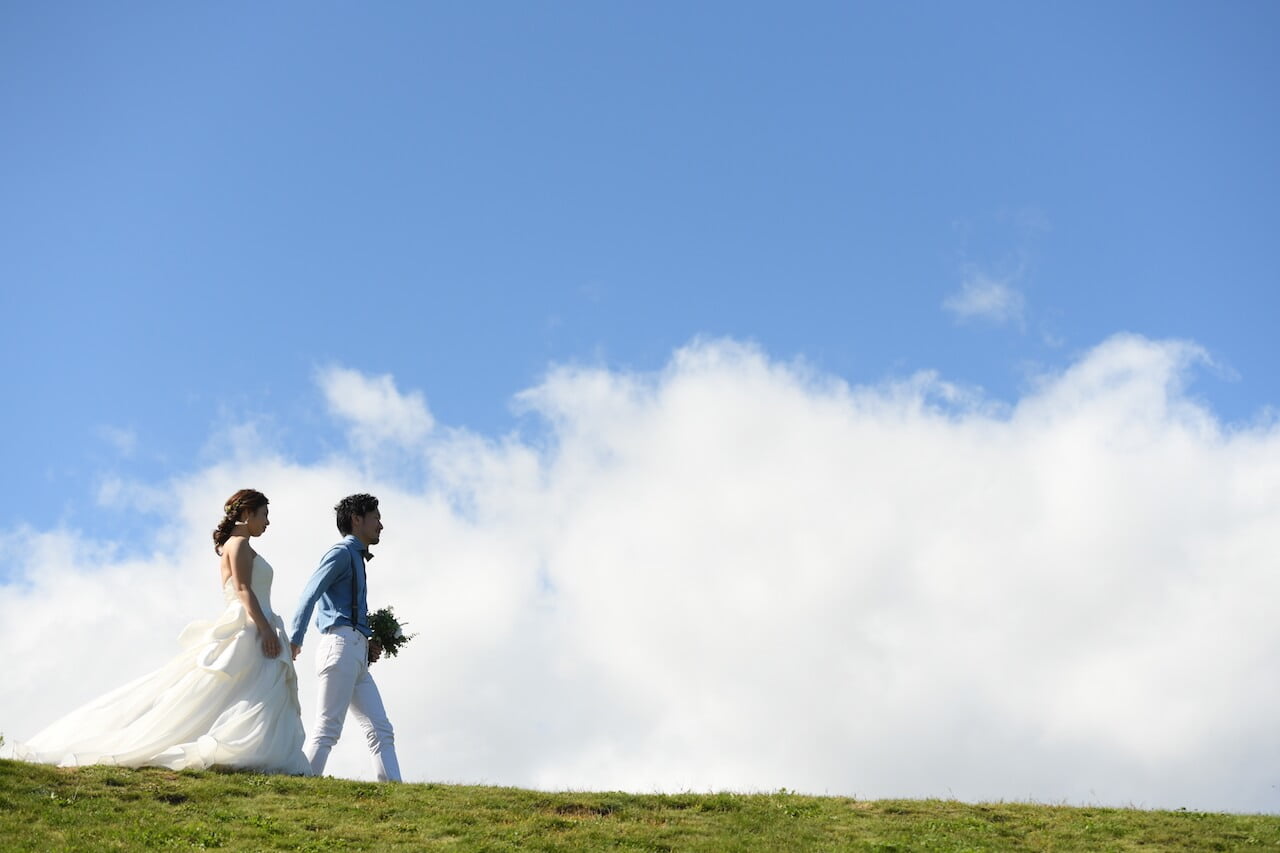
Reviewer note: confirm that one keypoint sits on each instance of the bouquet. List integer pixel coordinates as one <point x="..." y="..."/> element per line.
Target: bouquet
<point x="387" y="631"/>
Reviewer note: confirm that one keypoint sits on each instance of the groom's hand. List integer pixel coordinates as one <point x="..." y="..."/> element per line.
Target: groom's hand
<point x="296" y="649"/>
<point x="375" y="651"/>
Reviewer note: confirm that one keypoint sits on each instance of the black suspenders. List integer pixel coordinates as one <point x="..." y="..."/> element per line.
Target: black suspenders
<point x="355" y="599"/>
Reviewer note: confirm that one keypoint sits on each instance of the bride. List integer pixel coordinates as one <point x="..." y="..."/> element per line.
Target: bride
<point x="230" y="698"/>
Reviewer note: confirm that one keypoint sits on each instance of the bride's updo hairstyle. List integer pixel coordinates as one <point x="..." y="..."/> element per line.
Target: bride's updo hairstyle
<point x="244" y="501"/>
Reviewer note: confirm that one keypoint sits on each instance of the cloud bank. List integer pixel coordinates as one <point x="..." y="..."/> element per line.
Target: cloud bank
<point x="742" y="574"/>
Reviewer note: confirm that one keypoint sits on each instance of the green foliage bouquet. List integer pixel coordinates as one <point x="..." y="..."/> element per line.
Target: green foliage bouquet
<point x="387" y="631"/>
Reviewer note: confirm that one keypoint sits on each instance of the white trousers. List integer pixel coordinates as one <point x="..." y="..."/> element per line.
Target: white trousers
<point x="342" y="665"/>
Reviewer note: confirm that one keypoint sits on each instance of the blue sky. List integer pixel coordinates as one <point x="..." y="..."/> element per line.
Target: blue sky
<point x="206" y="205"/>
<point x="687" y="345"/>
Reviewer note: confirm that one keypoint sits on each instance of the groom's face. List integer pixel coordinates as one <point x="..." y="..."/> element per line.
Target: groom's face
<point x="367" y="528"/>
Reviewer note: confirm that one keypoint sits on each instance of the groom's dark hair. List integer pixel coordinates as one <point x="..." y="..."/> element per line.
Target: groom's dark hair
<point x="351" y="506"/>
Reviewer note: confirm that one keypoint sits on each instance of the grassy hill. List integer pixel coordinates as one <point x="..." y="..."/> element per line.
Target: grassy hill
<point x="103" y="808"/>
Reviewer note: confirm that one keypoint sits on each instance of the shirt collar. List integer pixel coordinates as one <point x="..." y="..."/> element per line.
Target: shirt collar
<point x="354" y="542"/>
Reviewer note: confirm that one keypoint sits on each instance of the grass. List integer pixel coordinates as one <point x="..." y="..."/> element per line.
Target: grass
<point x="108" y="808"/>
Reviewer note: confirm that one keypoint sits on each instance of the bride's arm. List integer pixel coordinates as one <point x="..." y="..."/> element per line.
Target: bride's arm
<point x="241" y="577"/>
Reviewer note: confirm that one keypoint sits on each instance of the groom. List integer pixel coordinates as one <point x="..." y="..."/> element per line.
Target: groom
<point x="346" y="648"/>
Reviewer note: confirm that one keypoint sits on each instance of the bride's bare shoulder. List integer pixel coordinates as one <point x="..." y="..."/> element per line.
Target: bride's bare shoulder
<point x="236" y="546"/>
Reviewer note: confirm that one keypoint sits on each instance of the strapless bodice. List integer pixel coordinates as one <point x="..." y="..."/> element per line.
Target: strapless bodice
<point x="260" y="583"/>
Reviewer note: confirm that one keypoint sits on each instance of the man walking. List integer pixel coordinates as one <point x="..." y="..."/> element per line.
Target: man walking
<point x="346" y="648"/>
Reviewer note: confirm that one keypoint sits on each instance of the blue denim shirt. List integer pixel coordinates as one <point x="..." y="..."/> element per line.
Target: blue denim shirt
<point x="330" y="586"/>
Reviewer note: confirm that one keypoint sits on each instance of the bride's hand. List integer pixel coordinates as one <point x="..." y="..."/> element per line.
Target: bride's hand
<point x="270" y="644"/>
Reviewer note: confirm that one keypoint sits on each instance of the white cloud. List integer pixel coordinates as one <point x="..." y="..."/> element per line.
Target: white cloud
<point x="740" y="574"/>
<point x="983" y="297"/>
<point x="129" y="496"/>
<point x="375" y="409"/>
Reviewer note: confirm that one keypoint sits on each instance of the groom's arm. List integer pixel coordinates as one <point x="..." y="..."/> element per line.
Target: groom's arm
<point x="329" y="570"/>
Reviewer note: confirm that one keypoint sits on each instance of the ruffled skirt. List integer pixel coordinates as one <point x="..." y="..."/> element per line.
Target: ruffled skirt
<point x="219" y="702"/>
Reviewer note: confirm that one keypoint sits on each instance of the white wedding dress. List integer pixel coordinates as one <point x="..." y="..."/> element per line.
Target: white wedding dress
<point x="219" y="702"/>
